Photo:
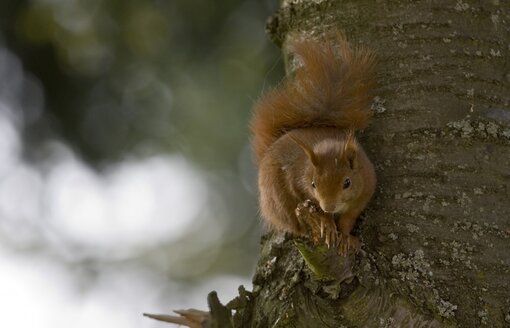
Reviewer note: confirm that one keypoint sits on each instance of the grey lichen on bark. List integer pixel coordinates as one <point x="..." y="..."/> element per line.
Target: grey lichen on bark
<point x="289" y="292"/>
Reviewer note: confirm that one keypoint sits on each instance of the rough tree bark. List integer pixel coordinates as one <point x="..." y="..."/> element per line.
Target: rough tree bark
<point x="437" y="234"/>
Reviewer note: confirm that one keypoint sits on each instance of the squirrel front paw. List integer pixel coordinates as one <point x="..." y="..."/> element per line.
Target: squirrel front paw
<point x="347" y="242"/>
<point x="320" y="225"/>
<point x="307" y="206"/>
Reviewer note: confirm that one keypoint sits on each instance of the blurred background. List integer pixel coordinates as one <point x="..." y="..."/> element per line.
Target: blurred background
<point x="126" y="177"/>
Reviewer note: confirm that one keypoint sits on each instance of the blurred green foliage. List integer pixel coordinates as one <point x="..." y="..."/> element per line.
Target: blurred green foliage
<point x="146" y="76"/>
<point x="135" y="78"/>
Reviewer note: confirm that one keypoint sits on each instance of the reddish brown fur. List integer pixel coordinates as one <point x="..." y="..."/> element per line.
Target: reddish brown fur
<point x="331" y="88"/>
<point x="305" y="144"/>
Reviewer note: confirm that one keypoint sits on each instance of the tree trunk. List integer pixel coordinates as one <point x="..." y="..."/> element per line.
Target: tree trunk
<point x="437" y="234"/>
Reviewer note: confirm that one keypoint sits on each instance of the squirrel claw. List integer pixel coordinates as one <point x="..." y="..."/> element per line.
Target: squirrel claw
<point x="328" y="230"/>
<point x="348" y="242"/>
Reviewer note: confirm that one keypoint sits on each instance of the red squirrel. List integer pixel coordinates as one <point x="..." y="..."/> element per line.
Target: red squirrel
<point x="314" y="177"/>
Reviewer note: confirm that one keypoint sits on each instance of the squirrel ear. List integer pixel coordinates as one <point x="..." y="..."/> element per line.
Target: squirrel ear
<point x="350" y="151"/>
<point x="306" y="148"/>
<point x="350" y="154"/>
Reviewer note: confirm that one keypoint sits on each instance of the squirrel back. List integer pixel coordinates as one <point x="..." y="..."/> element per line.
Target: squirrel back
<point x="330" y="89"/>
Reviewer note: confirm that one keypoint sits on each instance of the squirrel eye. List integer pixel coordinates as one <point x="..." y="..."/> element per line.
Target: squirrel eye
<point x="313" y="185"/>
<point x="347" y="183"/>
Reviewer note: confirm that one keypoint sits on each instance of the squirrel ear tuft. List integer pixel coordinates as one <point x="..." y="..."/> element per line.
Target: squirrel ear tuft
<point x="350" y="150"/>
<point x="306" y="148"/>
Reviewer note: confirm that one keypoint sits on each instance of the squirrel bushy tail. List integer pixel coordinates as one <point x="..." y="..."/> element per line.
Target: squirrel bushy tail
<point x="331" y="88"/>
